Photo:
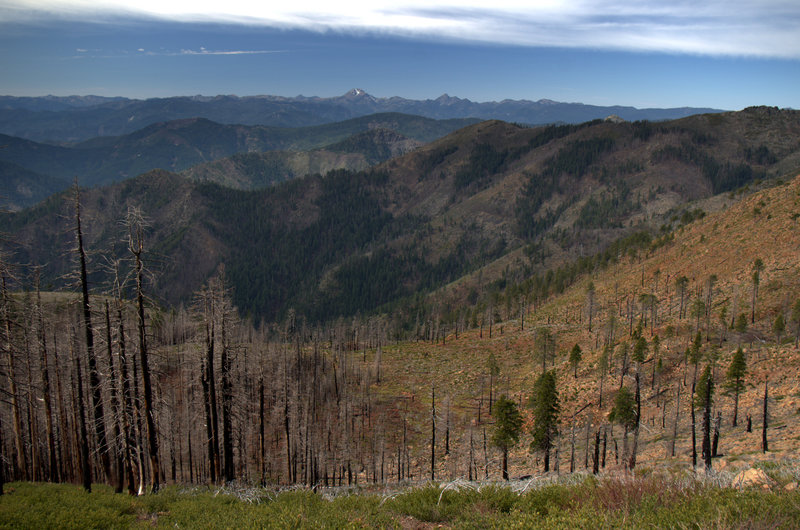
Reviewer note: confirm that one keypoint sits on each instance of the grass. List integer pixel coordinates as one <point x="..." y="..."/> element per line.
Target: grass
<point x="655" y="500"/>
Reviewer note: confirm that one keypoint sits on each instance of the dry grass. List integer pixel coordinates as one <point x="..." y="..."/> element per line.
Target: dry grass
<point x="723" y="243"/>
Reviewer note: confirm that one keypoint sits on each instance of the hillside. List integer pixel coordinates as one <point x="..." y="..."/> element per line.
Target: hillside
<point x="256" y="170"/>
<point x="724" y="245"/>
<point x="178" y="145"/>
<point x="487" y="203"/>
<point x="22" y="187"/>
<point x="376" y="393"/>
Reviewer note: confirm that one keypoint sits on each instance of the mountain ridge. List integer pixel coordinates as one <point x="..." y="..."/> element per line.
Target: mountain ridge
<point x="118" y="116"/>
<point x="179" y="144"/>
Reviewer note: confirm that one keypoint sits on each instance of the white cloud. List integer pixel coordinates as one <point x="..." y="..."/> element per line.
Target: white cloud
<point x="99" y="54"/>
<point x="715" y="27"/>
<point x="203" y="51"/>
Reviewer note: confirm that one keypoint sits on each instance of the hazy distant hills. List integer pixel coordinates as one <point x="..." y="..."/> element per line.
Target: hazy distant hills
<point x="54" y="103"/>
<point x="22" y="187"/>
<point x="78" y="118"/>
<point x="255" y="170"/>
<point x="180" y="144"/>
<point x="484" y="201"/>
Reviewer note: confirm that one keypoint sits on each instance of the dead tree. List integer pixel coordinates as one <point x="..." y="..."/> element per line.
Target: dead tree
<point x="52" y="474"/>
<point x="94" y="376"/>
<point x="20" y="461"/>
<point x="764" y="444"/>
<point x="118" y="453"/>
<point x="136" y="246"/>
<point x="433" y="433"/>
<point x="86" y="465"/>
<point x="127" y="406"/>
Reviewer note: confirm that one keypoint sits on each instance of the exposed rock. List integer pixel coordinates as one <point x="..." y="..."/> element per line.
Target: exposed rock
<point x="753" y="478"/>
<point x="792" y="486"/>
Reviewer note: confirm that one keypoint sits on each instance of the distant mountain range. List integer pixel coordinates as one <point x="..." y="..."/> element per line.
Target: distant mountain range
<point x="78" y="118"/>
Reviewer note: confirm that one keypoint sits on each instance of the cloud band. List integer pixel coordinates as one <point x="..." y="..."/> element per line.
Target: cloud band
<point x="767" y="28"/>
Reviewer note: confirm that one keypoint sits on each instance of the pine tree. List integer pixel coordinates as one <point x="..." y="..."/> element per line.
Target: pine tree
<point x="639" y="350"/>
<point x="575" y="359"/>
<point x="734" y="380"/>
<point x="758" y="266"/>
<point x="779" y="327"/>
<point x="546" y="408"/>
<point x="624" y="413"/>
<point x="796" y="321"/>
<point x="507" y="428"/>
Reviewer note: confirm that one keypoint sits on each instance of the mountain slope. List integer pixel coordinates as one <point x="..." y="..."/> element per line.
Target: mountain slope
<point x="256" y="170"/>
<point x="718" y="250"/>
<point x="178" y="145"/>
<point x="488" y="202"/>
<point x="23" y="188"/>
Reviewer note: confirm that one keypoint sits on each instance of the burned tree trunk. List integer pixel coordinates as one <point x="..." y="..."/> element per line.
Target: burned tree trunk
<point x="20" y="462"/>
<point x="118" y="454"/>
<point x="764" y="443"/>
<point x="85" y="463"/>
<point x="52" y="473"/>
<point x="136" y="247"/>
<point x="94" y="376"/>
<point x="127" y="400"/>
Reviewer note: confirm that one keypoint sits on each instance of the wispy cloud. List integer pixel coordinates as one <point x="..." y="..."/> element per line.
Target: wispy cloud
<point x="203" y="51"/>
<point x="98" y="54"/>
<point x="766" y="28"/>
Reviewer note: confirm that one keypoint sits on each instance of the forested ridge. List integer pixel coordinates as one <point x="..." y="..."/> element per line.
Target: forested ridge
<point x="427" y="218"/>
<point x="202" y="149"/>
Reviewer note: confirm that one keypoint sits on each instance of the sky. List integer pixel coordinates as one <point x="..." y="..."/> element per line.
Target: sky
<point x="722" y="54"/>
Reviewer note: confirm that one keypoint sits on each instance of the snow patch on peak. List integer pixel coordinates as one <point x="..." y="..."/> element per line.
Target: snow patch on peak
<point x="356" y="92"/>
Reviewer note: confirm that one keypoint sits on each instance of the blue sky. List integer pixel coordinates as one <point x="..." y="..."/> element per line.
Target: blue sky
<point x="642" y="53"/>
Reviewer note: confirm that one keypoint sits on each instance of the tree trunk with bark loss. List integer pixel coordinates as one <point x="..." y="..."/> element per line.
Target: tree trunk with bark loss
<point x="94" y="376"/>
<point x="52" y="471"/>
<point x="20" y="460"/>
<point x="765" y="417"/>
<point x="136" y="247"/>
<point x="119" y="478"/>
<point x="85" y="463"/>
<point x="219" y="300"/>
<point x="127" y="406"/>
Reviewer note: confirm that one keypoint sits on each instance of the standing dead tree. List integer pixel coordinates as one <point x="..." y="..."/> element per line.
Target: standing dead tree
<point x="94" y="376"/>
<point x="135" y="223"/>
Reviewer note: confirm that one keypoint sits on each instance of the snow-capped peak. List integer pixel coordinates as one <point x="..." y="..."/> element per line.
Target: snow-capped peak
<point x="356" y="92"/>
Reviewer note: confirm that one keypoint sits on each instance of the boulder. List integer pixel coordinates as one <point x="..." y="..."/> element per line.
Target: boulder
<point x="753" y="478"/>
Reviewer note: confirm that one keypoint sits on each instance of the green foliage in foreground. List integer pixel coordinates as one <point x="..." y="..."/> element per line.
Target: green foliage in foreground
<point x="654" y="501"/>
